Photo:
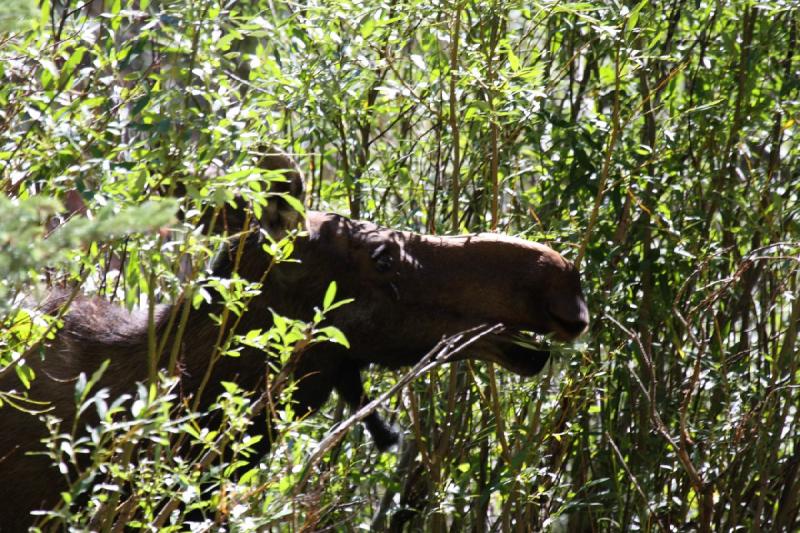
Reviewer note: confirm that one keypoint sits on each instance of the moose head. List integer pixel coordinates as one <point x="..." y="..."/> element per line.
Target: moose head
<point x="408" y="291"/>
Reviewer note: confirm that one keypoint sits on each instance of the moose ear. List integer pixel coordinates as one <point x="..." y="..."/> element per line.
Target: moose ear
<point x="283" y="210"/>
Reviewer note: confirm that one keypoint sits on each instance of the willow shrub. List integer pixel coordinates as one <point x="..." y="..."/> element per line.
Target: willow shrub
<point x="652" y="142"/>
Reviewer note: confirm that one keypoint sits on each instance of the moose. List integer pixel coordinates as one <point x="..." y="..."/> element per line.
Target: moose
<point x="408" y="290"/>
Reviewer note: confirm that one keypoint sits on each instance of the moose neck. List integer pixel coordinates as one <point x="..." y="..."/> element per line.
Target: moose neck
<point x="211" y="325"/>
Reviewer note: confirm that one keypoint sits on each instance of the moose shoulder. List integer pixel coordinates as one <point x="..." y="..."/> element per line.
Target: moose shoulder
<point x="409" y="291"/>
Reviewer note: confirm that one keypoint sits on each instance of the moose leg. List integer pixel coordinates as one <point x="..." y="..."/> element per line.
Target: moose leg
<point x="315" y="378"/>
<point x="351" y="389"/>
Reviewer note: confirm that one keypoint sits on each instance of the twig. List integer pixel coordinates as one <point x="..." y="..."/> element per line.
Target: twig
<point x="635" y="482"/>
<point x="442" y="353"/>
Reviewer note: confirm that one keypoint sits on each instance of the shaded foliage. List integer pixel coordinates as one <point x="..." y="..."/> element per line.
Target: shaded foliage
<point x="653" y="143"/>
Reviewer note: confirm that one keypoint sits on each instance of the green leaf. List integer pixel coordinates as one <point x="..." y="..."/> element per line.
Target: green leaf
<point x="633" y="18"/>
<point x="513" y="60"/>
<point x="330" y="294"/>
<point x="336" y="305"/>
<point x="294" y="202"/>
<point x="25" y="374"/>
<point x="333" y="334"/>
<point x="68" y="70"/>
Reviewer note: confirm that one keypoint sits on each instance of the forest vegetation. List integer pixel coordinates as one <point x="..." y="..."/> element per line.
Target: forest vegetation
<point x="654" y="144"/>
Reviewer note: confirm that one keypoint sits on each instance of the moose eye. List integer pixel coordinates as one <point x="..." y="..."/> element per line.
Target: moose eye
<point x="382" y="256"/>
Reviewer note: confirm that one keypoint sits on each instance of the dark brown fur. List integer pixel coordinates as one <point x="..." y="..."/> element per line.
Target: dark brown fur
<point x="410" y="290"/>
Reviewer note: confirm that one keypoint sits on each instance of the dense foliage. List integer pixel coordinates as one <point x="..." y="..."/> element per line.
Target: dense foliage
<point x="654" y="143"/>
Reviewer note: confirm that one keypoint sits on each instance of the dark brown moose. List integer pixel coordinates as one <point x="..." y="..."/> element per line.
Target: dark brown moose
<point x="409" y="291"/>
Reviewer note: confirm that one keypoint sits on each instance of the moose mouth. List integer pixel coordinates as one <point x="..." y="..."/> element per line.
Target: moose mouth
<point x="520" y="352"/>
<point x="526" y="352"/>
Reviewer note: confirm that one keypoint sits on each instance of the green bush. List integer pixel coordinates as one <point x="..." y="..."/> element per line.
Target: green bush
<point x="652" y="143"/>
